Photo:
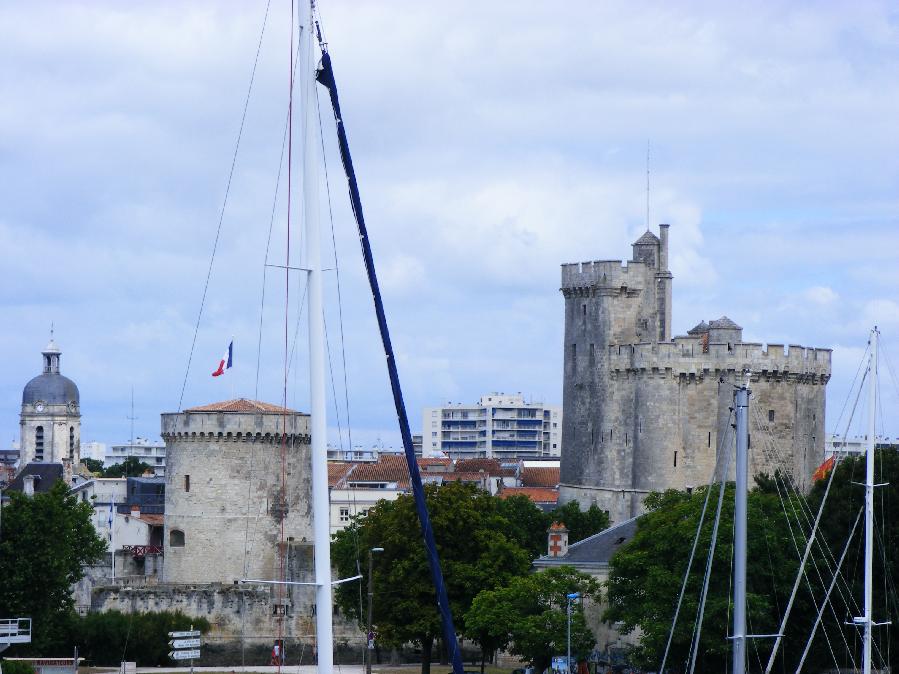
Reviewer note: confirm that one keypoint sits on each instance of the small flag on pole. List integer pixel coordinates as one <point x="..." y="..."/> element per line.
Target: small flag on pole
<point x="823" y="469"/>
<point x="225" y="362"/>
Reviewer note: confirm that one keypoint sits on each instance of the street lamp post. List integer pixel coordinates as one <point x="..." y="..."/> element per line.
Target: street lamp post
<point x="370" y="637"/>
<point x="571" y="597"/>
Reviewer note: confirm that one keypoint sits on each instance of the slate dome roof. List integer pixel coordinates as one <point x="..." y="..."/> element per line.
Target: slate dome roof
<point x="52" y="388"/>
<point x="647" y="238"/>
<point x="724" y="323"/>
<point x="701" y="328"/>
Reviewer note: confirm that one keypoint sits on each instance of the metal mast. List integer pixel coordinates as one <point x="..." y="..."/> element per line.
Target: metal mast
<point x="741" y="408"/>
<point x="320" y="507"/>
<point x="868" y="618"/>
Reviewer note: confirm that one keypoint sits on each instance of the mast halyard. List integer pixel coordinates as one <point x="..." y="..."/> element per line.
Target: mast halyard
<point x="320" y="505"/>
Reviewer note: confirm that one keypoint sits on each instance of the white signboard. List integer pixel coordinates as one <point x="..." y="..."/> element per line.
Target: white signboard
<point x="185" y="643"/>
<point x="184" y="655"/>
<point x="182" y="635"/>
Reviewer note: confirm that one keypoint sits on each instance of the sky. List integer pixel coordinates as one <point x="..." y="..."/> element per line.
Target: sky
<point x="493" y="141"/>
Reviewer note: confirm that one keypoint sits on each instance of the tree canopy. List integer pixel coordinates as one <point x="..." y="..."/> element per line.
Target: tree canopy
<point x="529" y="615"/>
<point x="130" y="467"/>
<point x="44" y="542"/>
<point x="475" y="553"/>
<point x="646" y="576"/>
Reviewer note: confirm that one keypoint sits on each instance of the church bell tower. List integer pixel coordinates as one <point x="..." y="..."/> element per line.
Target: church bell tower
<point x="50" y="420"/>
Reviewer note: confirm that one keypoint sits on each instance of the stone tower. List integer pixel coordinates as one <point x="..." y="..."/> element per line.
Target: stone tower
<point x="50" y="420"/>
<point x="644" y="412"/>
<point x="224" y="496"/>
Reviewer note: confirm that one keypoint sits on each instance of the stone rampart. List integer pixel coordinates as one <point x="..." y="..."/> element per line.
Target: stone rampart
<point x="686" y="357"/>
<point x="602" y="274"/>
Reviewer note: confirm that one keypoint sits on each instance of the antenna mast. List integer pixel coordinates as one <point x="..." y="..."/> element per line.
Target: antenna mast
<point x="647" y="185"/>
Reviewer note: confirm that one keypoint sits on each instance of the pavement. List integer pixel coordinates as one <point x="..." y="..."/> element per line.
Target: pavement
<point x="301" y="669"/>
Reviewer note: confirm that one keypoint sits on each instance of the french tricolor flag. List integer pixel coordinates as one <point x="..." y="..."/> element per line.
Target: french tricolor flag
<point x="225" y="362"/>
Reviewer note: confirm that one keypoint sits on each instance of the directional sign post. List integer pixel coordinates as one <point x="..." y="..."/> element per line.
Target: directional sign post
<point x="185" y="643"/>
<point x="188" y="643"/>
<point x="184" y="655"/>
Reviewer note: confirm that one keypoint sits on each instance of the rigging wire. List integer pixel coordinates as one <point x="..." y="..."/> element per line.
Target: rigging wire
<point x="810" y="540"/>
<point x="811" y="638"/>
<point x="694" y="646"/>
<point x="722" y="443"/>
<point x="218" y="230"/>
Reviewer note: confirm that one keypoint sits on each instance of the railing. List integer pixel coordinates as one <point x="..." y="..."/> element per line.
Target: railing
<point x="141" y="551"/>
<point x="15" y="631"/>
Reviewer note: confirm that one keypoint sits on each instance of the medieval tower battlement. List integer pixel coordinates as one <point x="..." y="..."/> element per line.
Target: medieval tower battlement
<point x="646" y="412"/>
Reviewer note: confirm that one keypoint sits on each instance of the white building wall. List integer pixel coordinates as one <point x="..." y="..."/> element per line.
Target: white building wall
<point x="150" y="452"/>
<point x="499" y="425"/>
<point x="348" y="503"/>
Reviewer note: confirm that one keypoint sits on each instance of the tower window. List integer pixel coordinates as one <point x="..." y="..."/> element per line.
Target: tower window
<point x="574" y="356"/>
<point x="710" y="438"/>
<point x="71" y="442"/>
<point x="675" y="458"/>
<point x="592" y="355"/>
<point x="39" y="443"/>
<point x="770" y="415"/>
<point x="176" y="538"/>
<point x="584" y="310"/>
<point x="187" y="483"/>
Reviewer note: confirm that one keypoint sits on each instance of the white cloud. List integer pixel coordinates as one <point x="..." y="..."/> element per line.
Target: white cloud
<point x="493" y="142"/>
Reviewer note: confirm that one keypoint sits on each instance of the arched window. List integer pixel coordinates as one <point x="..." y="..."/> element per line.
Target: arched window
<point x="176" y="538"/>
<point x="71" y="442"/>
<point x="39" y="443"/>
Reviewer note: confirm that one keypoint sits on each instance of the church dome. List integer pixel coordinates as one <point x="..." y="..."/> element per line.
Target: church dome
<point x="50" y="386"/>
<point x="53" y="389"/>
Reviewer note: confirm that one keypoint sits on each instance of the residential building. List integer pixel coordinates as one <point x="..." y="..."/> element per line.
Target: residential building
<point x="144" y="450"/>
<point x="93" y="450"/>
<point x="499" y="425"/>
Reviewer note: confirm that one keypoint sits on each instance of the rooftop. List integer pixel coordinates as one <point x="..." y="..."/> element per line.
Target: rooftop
<point x="647" y="238"/>
<point x="536" y="494"/>
<point x="243" y="405"/>
<point x="597" y="549"/>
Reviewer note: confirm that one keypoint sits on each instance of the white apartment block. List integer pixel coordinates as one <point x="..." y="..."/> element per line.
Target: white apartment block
<point x="142" y="449"/>
<point x="499" y="426"/>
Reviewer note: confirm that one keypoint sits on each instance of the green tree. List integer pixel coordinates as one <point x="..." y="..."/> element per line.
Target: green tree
<point x="93" y="465"/>
<point x="109" y="637"/>
<point x="475" y="554"/>
<point x="46" y="539"/>
<point x="646" y="575"/>
<point x="130" y="467"/>
<point x="580" y="523"/>
<point x="529" y="615"/>
<point x="527" y="524"/>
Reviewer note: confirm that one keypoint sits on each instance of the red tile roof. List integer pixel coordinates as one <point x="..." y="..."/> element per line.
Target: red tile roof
<point x="492" y="467"/>
<point x="540" y="477"/>
<point x="536" y="494"/>
<point x="152" y="520"/>
<point x="242" y="405"/>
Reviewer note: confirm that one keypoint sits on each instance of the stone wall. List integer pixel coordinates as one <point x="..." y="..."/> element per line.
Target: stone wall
<point x="224" y="494"/>
<point x="643" y="414"/>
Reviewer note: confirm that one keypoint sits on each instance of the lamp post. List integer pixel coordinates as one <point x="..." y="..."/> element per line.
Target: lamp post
<point x="571" y="597"/>
<point x="370" y="637"/>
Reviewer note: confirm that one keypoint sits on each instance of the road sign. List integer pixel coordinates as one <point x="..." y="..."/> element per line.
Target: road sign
<point x="185" y="643"/>
<point x="184" y="655"/>
<point x="181" y="635"/>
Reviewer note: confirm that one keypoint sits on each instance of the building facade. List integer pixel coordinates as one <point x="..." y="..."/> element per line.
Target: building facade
<point x="499" y="426"/>
<point x="50" y="420"/>
<point x="646" y="412"/>
<point x="144" y="450"/>
<point x="224" y="498"/>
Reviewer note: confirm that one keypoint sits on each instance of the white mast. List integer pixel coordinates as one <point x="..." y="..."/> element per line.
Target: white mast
<point x="741" y="408"/>
<point x="320" y="506"/>
<point x="868" y="618"/>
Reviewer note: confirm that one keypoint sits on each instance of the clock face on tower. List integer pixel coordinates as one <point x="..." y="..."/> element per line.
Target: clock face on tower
<point x="39" y="406"/>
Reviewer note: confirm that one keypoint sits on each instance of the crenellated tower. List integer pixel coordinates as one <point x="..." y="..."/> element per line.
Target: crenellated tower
<point x="644" y="412"/>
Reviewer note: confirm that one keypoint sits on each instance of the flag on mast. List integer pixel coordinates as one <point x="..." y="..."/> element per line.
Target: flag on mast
<point x="225" y="362"/>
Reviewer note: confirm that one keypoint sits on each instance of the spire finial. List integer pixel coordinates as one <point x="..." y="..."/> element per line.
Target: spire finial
<point x="51" y="331"/>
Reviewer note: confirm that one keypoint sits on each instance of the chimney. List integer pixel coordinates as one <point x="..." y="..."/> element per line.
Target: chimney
<point x="663" y="247"/>
<point x="28" y="482"/>
<point x="557" y="542"/>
